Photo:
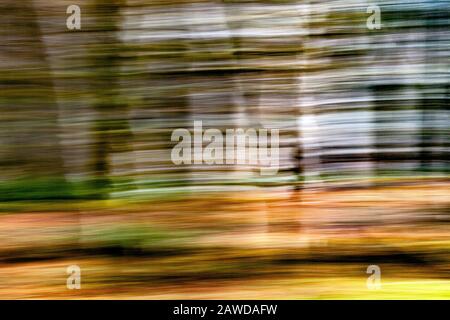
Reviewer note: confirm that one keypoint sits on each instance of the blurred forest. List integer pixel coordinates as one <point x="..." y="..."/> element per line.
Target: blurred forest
<point x="85" y="138"/>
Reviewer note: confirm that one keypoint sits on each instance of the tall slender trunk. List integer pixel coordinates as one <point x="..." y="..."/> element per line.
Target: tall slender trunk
<point x="111" y="129"/>
<point x="29" y="133"/>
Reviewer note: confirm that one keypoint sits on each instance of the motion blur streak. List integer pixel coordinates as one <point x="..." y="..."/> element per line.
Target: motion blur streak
<point x="86" y="178"/>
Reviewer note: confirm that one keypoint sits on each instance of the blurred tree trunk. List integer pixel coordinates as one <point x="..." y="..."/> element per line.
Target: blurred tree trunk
<point x="426" y="103"/>
<point x="29" y="134"/>
<point x="111" y="129"/>
<point x="434" y="102"/>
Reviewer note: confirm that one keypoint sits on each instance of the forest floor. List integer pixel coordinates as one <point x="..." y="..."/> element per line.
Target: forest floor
<point x="317" y="245"/>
